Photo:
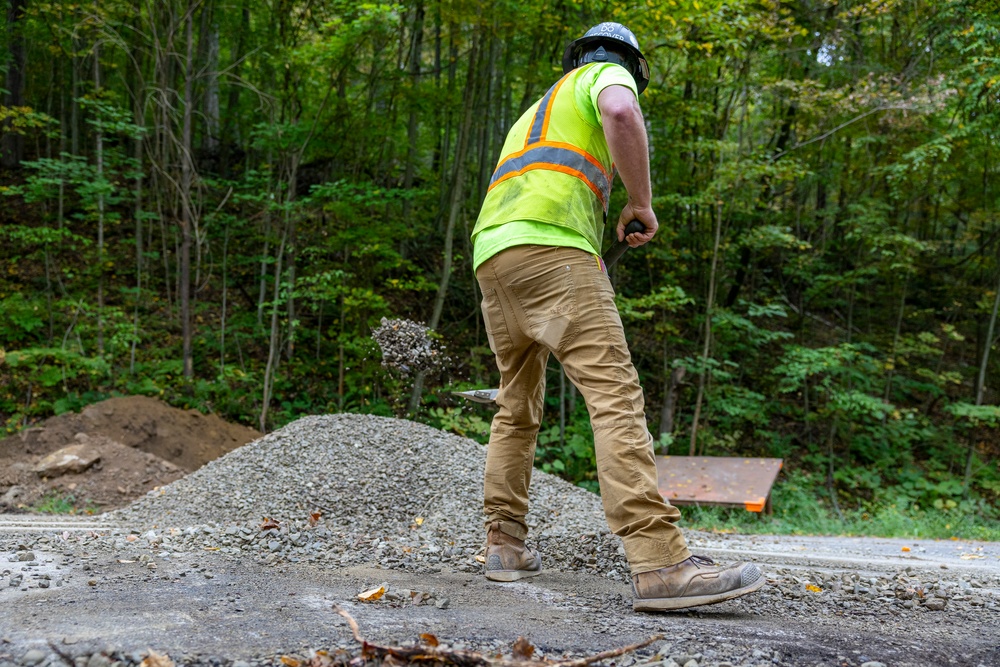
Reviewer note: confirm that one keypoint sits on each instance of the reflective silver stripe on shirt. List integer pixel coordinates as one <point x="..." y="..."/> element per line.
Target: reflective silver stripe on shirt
<point x="556" y="156"/>
<point x="538" y="123"/>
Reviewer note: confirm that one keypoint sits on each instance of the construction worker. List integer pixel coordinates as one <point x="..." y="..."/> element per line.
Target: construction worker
<point x="545" y="290"/>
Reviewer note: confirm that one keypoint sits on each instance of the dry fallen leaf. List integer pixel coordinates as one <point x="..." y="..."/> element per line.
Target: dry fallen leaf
<point x="480" y="559"/>
<point x="154" y="659"/>
<point x="314" y="518"/>
<point x="131" y="538"/>
<point x="906" y="548"/>
<point x="372" y="594"/>
<point x="429" y="639"/>
<point x="971" y="556"/>
<point x="269" y="524"/>
<point x="419" y="521"/>
<point x="523" y="649"/>
<point x="290" y="661"/>
<point x="813" y="588"/>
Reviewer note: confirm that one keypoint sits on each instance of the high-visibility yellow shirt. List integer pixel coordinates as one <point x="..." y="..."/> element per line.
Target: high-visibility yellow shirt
<point x="553" y="179"/>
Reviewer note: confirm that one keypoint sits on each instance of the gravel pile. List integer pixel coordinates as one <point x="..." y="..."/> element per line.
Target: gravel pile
<point x="349" y="489"/>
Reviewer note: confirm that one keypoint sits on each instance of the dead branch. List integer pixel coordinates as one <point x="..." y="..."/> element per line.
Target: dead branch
<point x="462" y="658"/>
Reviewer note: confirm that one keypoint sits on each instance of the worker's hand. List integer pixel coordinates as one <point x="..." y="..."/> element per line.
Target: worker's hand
<point x="646" y="216"/>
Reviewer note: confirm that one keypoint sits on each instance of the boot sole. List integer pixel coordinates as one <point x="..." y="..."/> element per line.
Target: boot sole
<point x="511" y="575"/>
<point x="667" y="604"/>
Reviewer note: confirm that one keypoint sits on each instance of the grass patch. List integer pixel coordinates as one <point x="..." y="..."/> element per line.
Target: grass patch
<point x="55" y="502"/>
<point x="883" y="522"/>
<point x="802" y="507"/>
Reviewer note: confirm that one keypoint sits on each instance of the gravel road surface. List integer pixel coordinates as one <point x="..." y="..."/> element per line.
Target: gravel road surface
<point x="241" y="563"/>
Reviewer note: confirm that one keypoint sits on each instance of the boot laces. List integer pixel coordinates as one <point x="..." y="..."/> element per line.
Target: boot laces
<point x="702" y="560"/>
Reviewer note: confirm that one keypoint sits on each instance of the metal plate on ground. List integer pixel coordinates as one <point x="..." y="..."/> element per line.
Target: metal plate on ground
<point x="717" y="480"/>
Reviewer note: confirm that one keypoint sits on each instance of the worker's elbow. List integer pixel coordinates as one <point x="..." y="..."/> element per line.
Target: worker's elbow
<point x="623" y="114"/>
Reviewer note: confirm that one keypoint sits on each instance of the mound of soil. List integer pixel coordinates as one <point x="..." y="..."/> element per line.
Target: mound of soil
<point x="123" y="448"/>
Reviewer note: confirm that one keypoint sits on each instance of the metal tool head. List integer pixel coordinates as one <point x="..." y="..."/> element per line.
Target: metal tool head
<point x="479" y="395"/>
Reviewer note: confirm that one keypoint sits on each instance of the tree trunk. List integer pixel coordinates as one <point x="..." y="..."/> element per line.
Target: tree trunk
<point x="12" y="142"/>
<point x="290" y="223"/>
<point x="137" y="190"/>
<point x="99" y="158"/>
<point x="669" y="410"/>
<point x="562" y="407"/>
<point x="225" y="295"/>
<point x="981" y="386"/>
<point x="703" y="370"/>
<point x="412" y="125"/>
<point x="187" y="217"/>
<point x="230" y="134"/>
<point x="211" y="100"/>
<point x="454" y="208"/>
<point x="273" y="352"/>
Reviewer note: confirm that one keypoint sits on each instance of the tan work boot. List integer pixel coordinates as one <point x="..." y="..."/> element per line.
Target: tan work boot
<point x="507" y="559"/>
<point x="693" y="582"/>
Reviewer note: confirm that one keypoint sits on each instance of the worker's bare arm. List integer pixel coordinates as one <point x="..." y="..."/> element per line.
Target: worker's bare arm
<point x="625" y="132"/>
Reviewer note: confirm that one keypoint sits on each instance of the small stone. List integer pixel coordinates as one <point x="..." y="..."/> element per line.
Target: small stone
<point x="935" y="604"/>
<point x="443" y="603"/>
<point x="873" y="663"/>
<point x="99" y="660"/>
<point x="32" y="657"/>
<point x="71" y="459"/>
<point x="25" y="556"/>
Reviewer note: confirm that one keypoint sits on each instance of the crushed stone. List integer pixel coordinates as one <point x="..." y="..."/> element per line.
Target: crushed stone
<point x="348" y="489"/>
<point x="344" y="490"/>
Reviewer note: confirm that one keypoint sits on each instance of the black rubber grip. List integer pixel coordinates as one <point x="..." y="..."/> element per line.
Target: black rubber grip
<point x="618" y="248"/>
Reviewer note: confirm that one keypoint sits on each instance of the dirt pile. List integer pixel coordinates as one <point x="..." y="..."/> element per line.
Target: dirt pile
<point x="111" y="453"/>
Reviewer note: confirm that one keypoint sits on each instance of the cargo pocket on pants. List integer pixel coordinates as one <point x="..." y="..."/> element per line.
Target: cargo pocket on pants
<point x="496" y="323"/>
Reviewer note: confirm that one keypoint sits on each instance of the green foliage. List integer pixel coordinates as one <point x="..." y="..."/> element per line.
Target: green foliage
<point x="461" y="422"/>
<point x="668" y="299"/>
<point x="26" y="121"/>
<point x="20" y="317"/>
<point x="569" y="454"/>
<point x="845" y="154"/>
<point x="56" y="502"/>
<point x="976" y="415"/>
<point x="38" y="381"/>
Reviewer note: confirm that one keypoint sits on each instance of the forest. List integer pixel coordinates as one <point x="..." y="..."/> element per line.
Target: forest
<point x="216" y="202"/>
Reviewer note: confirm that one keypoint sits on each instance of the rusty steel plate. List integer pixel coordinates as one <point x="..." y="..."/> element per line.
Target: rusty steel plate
<point x="717" y="480"/>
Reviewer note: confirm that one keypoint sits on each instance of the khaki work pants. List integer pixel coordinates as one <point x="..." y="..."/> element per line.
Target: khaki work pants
<point x="538" y="299"/>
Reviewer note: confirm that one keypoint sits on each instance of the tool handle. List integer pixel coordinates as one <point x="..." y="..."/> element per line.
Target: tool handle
<point x="618" y="248"/>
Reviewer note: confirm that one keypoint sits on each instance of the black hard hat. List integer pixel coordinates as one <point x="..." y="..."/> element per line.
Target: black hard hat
<point x="589" y="48"/>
